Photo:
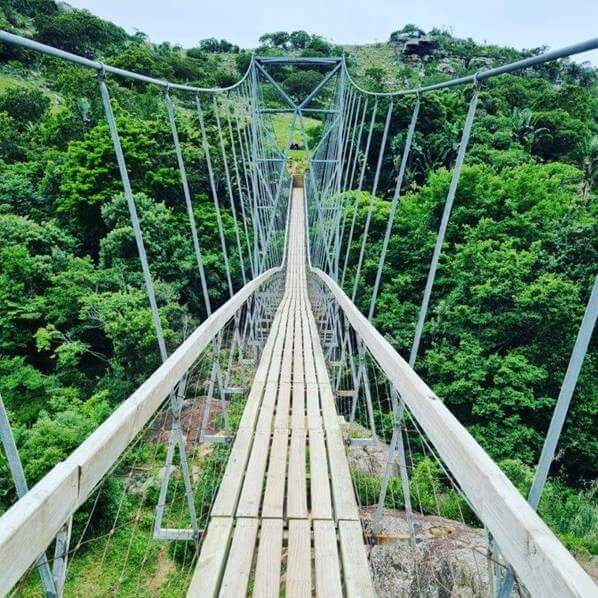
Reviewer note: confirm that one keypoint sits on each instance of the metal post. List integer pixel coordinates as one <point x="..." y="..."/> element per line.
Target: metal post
<point x="239" y="186"/>
<point x="361" y="179"/>
<point x="396" y="450"/>
<point x="566" y="393"/>
<point x="371" y="204"/>
<point x="578" y="354"/>
<point x="188" y="203"/>
<point x="444" y="223"/>
<point x="18" y="476"/>
<point x="229" y="188"/>
<point x="396" y="444"/>
<point x="393" y="208"/>
<point x="124" y="174"/>
<point x="206" y="149"/>
<point x="339" y="171"/>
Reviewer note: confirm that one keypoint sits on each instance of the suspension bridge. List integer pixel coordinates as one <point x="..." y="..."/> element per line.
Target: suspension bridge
<point x="267" y="393"/>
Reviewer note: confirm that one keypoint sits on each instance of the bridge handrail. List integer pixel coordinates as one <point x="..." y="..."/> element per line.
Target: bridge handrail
<point x="544" y="565"/>
<point x="585" y="46"/>
<point x="30" y="525"/>
<point x="30" y="44"/>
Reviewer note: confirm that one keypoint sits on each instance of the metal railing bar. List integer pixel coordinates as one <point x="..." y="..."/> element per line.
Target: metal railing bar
<point x="579" y="48"/>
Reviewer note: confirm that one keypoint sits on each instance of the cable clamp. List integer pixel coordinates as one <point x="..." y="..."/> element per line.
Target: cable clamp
<point x="101" y="71"/>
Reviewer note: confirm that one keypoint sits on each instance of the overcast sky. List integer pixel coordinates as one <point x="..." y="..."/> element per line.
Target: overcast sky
<point x="517" y="23"/>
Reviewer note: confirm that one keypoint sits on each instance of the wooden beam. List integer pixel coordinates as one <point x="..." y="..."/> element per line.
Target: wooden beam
<point x="208" y="571"/>
<point x="544" y="565"/>
<point x="358" y="580"/>
<point x="29" y="526"/>
<point x="269" y="558"/>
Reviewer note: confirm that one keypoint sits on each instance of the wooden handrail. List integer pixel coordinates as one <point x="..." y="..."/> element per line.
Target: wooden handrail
<point x="543" y="564"/>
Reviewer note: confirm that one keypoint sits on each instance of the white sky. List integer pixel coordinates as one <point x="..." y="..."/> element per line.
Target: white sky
<point x="517" y="23"/>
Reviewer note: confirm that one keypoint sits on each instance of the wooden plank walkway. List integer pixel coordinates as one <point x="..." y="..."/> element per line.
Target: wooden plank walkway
<point x="285" y="519"/>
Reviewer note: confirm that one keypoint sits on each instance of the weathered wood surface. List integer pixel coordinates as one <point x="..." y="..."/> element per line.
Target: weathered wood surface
<point x="291" y="428"/>
<point x="30" y="525"/>
<point x="542" y="563"/>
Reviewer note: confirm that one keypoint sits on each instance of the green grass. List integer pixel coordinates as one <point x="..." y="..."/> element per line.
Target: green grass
<point x="282" y="124"/>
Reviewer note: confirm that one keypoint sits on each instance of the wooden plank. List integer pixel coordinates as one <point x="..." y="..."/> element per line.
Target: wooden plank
<point x="22" y="538"/>
<point x="283" y="401"/>
<point x="275" y="481"/>
<point x="210" y="565"/>
<point x="298" y="578"/>
<point x="298" y="406"/>
<point x="543" y="564"/>
<point x="319" y="360"/>
<point x="275" y="365"/>
<point x="263" y="368"/>
<point x="256" y="394"/>
<point x="240" y="559"/>
<point x="328" y="573"/>
<point x="297" y="492"/>
<point x="230" y="487"/>
<point x="328" y="404"/>
<point x="251" y="494"/>
<point x="356" y="571"/>
<point x="321" y="503"/>
<point x="329" y="412"/>
<point x="264" y="422"/>
<point x="269" y="556"/>
<point x="312" y="401"/>
<point x="287" y="356"/>
<point x="345" y="506"/>
<point x="298" y="349"/>
<point x="252" y="406"/>
<point x="309" y="362"/>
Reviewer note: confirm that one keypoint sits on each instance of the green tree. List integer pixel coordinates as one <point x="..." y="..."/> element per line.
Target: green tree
<point x="23" y="103"/>
<point x="80" y="32"/>
<point x="278" y="39"/>
<point x="299" y="39"/>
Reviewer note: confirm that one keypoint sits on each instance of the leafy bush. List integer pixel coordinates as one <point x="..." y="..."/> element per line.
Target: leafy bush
<point x="79" y="32"/>
<point x="23" y="103"/>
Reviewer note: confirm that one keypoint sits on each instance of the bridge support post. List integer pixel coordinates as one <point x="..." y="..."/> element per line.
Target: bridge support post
<point x="396" y="450"/>
<point x="149" y="285"/>
<point x="396" y="443"/>
<point x="576" y="360"/>
<point x="448" y="206"/>
<point x="360" y="377"/>
<point x="18" y="475"/>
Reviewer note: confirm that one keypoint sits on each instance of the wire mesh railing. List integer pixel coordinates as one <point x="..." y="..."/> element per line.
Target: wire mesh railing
<point x="356" y="173"/>
<point x="427" y="465"/>
<point x="151" y="470"/>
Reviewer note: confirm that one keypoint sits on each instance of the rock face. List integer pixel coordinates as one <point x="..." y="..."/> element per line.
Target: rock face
<point x="400" y="37"/>
<point x="446" y="66"/>
<point x="369" y="458"/>
<point x="481" y="63"/>
<point x="449" y="559"/>
<point x="413" y="44"/>
<point x="418" y="47"/>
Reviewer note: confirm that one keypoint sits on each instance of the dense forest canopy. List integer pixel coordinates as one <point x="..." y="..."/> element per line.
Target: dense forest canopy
<point x="76" y="335"/>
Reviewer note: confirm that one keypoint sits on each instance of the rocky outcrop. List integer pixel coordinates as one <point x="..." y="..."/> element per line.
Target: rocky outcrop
<point x="413" y="44"/>
<point x="449" y="559"/>
<point x="446" y="66"/>
<point x="481" y="63"/>
<point x="369" y="459"/>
